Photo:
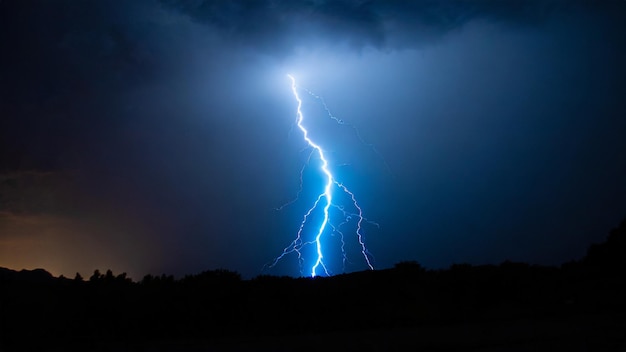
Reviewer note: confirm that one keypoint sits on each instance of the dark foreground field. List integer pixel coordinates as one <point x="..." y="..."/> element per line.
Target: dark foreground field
<point x="579" y="306"/>
<point x="591" y="333"/>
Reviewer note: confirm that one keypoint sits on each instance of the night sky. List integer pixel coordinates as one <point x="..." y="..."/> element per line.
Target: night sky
<point x="157" y="137"/>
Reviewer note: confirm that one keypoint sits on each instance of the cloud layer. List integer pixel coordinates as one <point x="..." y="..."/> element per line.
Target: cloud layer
<point x="277" y="27"/>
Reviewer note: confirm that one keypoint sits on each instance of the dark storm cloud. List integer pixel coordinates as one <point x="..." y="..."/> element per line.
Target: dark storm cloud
<point x="277" y="27"/>
<point x="55" y="56"/>
<point x="62" y="58"/>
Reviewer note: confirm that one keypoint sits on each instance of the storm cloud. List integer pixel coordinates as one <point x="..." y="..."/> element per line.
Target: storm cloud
<point x="278" y="27"/>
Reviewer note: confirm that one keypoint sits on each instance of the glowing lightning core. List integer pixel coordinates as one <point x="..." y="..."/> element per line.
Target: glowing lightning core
<point x="326" y="197"/>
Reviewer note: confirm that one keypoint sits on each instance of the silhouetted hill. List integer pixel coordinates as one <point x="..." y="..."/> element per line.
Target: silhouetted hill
<point x="33" y="276"/>
<point x="578" y="304"/>
<point x="611" y="254"/>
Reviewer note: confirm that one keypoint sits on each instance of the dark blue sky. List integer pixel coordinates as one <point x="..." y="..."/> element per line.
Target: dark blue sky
<point x="157" y="136"/>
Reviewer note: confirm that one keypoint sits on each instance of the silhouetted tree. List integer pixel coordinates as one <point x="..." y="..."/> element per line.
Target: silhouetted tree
<point x="409" y="266"/>
<point x="611" y="254"/>
<point x="109" y="277"/>
<point x="147" y="280"/>
<point x="96" y="276"/>
<point x="78" y="277"/>
<point x="122" y="278"/>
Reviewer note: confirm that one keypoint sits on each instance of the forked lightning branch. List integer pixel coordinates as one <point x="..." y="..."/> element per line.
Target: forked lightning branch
<point x="324" y="203"/>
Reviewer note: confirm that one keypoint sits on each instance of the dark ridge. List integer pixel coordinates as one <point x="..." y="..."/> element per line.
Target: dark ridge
<point x="611" y="254"/>
<point x="32" y="276"/>
<point x="511" y="306"/>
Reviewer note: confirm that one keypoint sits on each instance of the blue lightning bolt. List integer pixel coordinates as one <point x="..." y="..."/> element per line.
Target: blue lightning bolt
<point x="325" y="200"/>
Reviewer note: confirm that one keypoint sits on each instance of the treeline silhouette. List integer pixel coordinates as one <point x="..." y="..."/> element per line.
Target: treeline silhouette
<point x="40" y="311"/>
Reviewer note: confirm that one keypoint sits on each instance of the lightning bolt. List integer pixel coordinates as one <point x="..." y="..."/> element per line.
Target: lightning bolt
<point x="323" y="200"/>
